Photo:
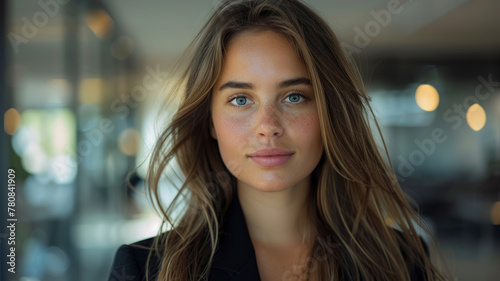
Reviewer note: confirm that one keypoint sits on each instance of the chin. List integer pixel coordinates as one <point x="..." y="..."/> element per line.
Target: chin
<point x="269" y="186"/>
<point x="270" y="189"/>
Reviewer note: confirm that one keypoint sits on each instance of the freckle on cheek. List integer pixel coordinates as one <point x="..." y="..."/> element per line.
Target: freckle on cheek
<point x="233" y="124"/>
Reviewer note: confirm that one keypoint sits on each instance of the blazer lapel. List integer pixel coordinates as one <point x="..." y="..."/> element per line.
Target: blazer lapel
<point x="235" y="258"/>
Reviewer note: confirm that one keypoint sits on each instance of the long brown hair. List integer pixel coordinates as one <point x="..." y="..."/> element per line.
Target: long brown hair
<point x="355" y="191"/>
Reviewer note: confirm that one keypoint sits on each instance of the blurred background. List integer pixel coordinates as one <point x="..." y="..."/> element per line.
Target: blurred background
<point x="80" y="80"/>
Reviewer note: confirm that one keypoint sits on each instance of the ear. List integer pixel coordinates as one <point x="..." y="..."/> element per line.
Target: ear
<point x="213" y="133"/>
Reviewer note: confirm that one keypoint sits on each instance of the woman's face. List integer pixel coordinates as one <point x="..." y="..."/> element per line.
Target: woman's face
<point x="264" y="99"/>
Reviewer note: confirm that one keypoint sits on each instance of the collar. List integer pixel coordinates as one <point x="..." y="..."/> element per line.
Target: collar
<point x="235" y="259"/>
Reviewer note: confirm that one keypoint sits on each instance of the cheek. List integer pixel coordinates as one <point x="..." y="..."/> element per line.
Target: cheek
<point x="307" y="130"/>
<point x="229" y="128"/>
<point x="231" y="135"/>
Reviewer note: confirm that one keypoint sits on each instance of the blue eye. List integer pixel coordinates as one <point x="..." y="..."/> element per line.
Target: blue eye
<point x="240" y="100"/>
<point x="294" y="98"/>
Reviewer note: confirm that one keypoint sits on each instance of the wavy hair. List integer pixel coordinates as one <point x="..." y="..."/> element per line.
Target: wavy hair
<point x="355" y="191"/>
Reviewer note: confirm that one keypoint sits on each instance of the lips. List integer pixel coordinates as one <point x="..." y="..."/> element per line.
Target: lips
<point x="267" y="152"/>
<point x="271" y="157"/>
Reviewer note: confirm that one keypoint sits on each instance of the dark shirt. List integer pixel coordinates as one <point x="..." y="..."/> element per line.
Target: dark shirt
<point x="234" y="260"/>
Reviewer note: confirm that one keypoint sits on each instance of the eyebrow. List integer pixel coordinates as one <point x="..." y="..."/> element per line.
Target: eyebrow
<point x="250" y="86"/>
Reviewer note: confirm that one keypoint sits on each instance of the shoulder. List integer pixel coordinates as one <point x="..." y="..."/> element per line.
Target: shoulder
<point x="129" y="262"/>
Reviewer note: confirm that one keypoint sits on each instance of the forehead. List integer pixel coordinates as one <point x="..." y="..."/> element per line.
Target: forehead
<point x="262" y="54"/>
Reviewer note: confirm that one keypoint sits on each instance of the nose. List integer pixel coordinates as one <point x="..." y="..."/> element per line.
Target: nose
<point x="269" y="123"/>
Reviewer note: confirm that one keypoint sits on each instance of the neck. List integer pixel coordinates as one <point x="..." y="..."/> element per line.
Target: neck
<point x="279" y="218"/>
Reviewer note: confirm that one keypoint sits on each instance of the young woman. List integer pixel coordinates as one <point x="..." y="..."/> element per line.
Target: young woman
<point x="282" y="178"/>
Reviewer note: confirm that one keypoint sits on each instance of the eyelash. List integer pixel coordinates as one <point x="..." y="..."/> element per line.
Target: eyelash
<point x="231" y="98"/>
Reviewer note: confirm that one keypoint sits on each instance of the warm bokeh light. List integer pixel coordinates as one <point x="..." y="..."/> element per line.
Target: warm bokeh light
<point x="476" y="117"/>
<point x="129" y="142"/>
<point x="495" y="213"/>
<point x="91" y="90"/>
<point x="11" y="121"/>
<point x="389" y="221"/>
<point x="427" y="97"/>
<point x="100" y="23"/>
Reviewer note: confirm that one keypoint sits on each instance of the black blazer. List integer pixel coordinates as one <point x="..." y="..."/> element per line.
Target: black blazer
<point x="233" y="261"/>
